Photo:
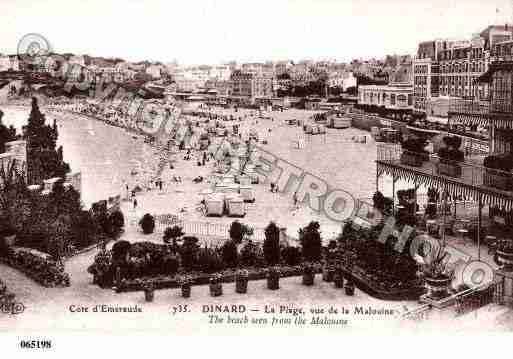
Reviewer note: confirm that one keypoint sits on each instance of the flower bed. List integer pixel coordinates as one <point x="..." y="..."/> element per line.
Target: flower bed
<point x="37" y="266"/>
<point x="376" y="268"/>
<point x="199" y="278"/>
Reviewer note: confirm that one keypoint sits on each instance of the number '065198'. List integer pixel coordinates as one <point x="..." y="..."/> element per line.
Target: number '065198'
<point x="36" y="344"/>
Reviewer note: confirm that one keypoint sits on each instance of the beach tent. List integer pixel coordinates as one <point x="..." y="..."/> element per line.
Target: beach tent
<point x="215" y="205"/>
<point x="246" y="191"/>
<point x="235" y="205"/>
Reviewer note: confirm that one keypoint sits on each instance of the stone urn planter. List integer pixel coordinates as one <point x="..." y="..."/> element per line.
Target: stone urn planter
<point x="149" y="292"/>
<point x="308" y="275"/>
<point x="449" y="170"/>
<point x="185" y="286"/>
<point x="10" y="240"/>
<point x="216" y="285"/>
<point x="437" y="288"/>
<point x="505" y="258"/>
<point x="186" y="290"/>
<point x="273" y="279"/>
<point x="349" y="288"/>
<point x="328" y="273"/>
<point x="338" y="279"/>
<point x="241" y="281"/>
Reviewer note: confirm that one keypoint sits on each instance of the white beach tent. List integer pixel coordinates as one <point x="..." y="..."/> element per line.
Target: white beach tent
<point x="215" y="204"/>
<point x="235" y="205"/>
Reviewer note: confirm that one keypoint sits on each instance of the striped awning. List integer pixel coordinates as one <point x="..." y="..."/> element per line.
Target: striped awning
<point x="469" y="119"/>
<point x="503" y="122"/>
<point x="453" y="187"/>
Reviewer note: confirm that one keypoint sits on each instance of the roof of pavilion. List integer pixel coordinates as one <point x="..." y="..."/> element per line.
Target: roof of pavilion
<point x="454" y="186"/>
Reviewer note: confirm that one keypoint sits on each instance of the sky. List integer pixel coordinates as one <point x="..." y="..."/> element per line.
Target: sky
<point x="215" y="31"/>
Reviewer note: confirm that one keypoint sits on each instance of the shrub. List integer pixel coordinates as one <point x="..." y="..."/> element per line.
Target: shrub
<point x="120" y="250"/>
<point x="85" y="230"/>
<point x="291" y="255"/>
<point x="147" y="223"/>
<point x="236" y="231"/>
<point x="117" y="221"/>
<point x="170" y="263"/>
<point x="209" y="260"/>
<point x="189" y="252"/>
<point x="39" y="267"/>
<point x="272" y="244"/>
<point x="310" y="238"/>
<point x="450" y="155"/>
<point x="378" y="200"/>
<point x="229" y="254"/>
<point x="451" y="152"/>
<point x="415" y="145"/>
<point x="172" y="233"/>
<point x="503" y="162"/>
<point x="251" y="255"/>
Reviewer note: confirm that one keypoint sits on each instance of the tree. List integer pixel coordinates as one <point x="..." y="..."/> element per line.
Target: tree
<point x="172" y="233"/>
<point x="272" y="244"/>
<point x="43" y="159"/>
<point x="147" y="223"/>
<point x="7" y="134"/>
<point x="236" y="231"/>
<point x="117" y="221"/>
<point x="229" y="254"/>
<point x="310" y="238"/>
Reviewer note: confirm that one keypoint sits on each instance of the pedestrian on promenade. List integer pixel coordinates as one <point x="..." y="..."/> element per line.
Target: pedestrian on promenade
<point x="135" y="203"/>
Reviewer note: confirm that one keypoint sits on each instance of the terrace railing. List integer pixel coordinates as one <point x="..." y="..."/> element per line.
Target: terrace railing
<point x="418" y="314"/>
<point x="468" y="172"/>
<point x="478" y="297"/>
<point x="471" y="107"/>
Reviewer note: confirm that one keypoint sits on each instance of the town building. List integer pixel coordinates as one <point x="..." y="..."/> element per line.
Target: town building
<point x="9" y="63"/>
<point x="343" y="80"/>
<point x="155" y="71"/>
<point x="449" y="68"/>
<point x="396" y="97"/>
<point x="485" y="180"/>
<point x="251" y="85"/>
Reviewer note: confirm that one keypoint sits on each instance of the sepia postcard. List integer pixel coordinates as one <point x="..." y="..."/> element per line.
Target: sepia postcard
<point x="286" y="167"/>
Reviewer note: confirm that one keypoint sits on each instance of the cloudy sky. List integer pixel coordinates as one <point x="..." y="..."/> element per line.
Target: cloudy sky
<point x="212" y="31"/>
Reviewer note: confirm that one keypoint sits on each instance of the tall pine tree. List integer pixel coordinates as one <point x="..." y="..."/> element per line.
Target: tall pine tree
<point x="7" y="134"/>
<point x="43" y="159"/>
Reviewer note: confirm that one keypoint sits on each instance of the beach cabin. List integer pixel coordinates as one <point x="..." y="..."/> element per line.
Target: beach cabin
<point x="244" y="180"/>
<point x="221" y="131"/>
<point x="232" y="188"/>
<point x="207" y="192"/>
<point x="235" y="205"/>
<point x="376" y="134"/>
<point x="221" y="187"/>
<point x="247" y="193"/>
<point x="228" y="179"/>
<point x="215" y="205"/>
<point x="340" y="122"/>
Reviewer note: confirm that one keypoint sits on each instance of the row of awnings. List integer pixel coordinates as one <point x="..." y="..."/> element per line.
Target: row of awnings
<point x="481" y="120"/>
<point x="454" y="188"/>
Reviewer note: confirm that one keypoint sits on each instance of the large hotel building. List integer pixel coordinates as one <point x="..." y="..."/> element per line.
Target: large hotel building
<point x="447" y="69"/>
